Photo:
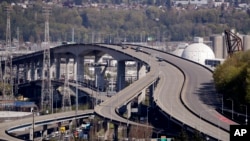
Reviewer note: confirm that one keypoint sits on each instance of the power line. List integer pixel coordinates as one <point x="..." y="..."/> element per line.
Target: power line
<point x="46" y="100"/>
<point x="8" y="60"/>
<point x="66" y="101"/>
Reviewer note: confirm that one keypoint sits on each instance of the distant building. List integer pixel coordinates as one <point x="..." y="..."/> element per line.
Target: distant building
<point x="194" y="2"/>
<point x="214" y="3"/>
<point x="198" y="52"/>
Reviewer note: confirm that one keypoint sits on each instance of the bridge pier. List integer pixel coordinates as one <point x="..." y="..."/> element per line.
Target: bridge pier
<point x="52" y="68"/>
<point x="32" y="70"/>
<point x="45" y="130"/>
<point x="151" y="92"/>
<point x="57" y="67"/>
<point x="79" y="68"/>
<point x="141" y="70"/>
<point x="127" y="131"/>
<point x="120" y="81"/>
<point x="128" y="110"/>
<point x="17" y="74"/>
<point x="25" y="69"/>
<point x="115" y="137"/>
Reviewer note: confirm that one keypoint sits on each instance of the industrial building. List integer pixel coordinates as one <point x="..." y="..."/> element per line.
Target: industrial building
<point x="209" y="55"/>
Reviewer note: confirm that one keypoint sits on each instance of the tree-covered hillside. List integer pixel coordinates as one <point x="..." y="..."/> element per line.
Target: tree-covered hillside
<point x="102" y="24"/>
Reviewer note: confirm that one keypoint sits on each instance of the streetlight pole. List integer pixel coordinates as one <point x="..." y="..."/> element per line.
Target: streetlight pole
<point x="77" y="95"/>
<point x="33" y="123"/>
<point x="222" y="104"/>
<point x="246" y="113"/>
<point x="147" y="119"/>
<point x="52" y="100"/>
<point x="232" y="108"/>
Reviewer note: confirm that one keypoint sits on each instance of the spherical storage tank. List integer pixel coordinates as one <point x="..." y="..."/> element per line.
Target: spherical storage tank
<point x="198" y="52"/>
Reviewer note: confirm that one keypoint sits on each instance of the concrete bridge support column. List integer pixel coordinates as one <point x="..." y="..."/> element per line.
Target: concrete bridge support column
<point x="31" y="134"/>
<point x="57" y="69"/>
<point x="143" y="95"/>
<point x="79" y="68"/>
<point x="106" y="129"/>
<point x="36" y="70"/>
<point x="120" y="80"/>
<point x="45" y="130"/>
<point x="141" y="70"/>
<point x="125" y="132"/>
<point x="151" y="92"/>
<point x="32" y="70"/>
<point x="66" y="70"/>
<point x="25" y="74"/>
<point x="29" y="71"/>
<point x="128" y="130"/>
<point x="70" y="126"/>
<point x="40" y="67"/>
<point x="98" y="77"/>
<point x="138" y="65"/>
<point x="116" y="132"/>
<point x="99" y="74"/>
<point x="17" y="74"/>
<point x="128" y="110"/>
<point x="52" y="68"/>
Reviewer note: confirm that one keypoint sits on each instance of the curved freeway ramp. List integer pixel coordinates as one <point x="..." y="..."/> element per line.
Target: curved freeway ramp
<point x="7" y="126"/>
<point x="107" y="109"/>
<point x="195" y="103"/>
<point x="185" y="92"/>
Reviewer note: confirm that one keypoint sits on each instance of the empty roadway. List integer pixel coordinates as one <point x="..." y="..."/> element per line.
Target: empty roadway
<point x="190" y="105"/>
<point x="186" y="105"/>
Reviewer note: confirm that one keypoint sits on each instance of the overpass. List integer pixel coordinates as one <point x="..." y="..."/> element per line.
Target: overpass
<point x="182" y="91"/>
<point x="7" y="128"/>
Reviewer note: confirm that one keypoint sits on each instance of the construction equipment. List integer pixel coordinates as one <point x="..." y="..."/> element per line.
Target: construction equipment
<point x="233" y="42"/>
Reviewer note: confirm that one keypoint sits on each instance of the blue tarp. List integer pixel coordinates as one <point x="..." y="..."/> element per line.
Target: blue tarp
<point x="23" y="103"/>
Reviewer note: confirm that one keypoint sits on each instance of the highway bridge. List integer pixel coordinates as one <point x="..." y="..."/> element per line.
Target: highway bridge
<point x="7" y="128"/>
<point x="184" y="91"/>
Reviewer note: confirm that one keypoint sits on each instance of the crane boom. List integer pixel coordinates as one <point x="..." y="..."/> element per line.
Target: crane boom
<point x="233" y="42"/>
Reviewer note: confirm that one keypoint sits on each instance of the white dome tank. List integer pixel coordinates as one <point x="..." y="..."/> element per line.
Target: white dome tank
<point x="198" y="52"/>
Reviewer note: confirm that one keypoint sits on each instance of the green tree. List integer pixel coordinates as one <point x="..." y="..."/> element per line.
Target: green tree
<point x="232" y="77"/>
<point x="7" y="88"/>
<point x="183" y="136"/>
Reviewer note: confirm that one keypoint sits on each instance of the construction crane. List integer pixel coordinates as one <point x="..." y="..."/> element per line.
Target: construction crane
<point x="233" y="42"/>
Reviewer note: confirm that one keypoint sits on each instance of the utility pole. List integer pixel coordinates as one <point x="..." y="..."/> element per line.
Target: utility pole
<point x="46" y="95"/>
<point x="66" y="101"/>
<point x="73" y="35"/>
<point x="18" y="43"/>
<point x="1" y="71"/>
<point x="8" y="59"/>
